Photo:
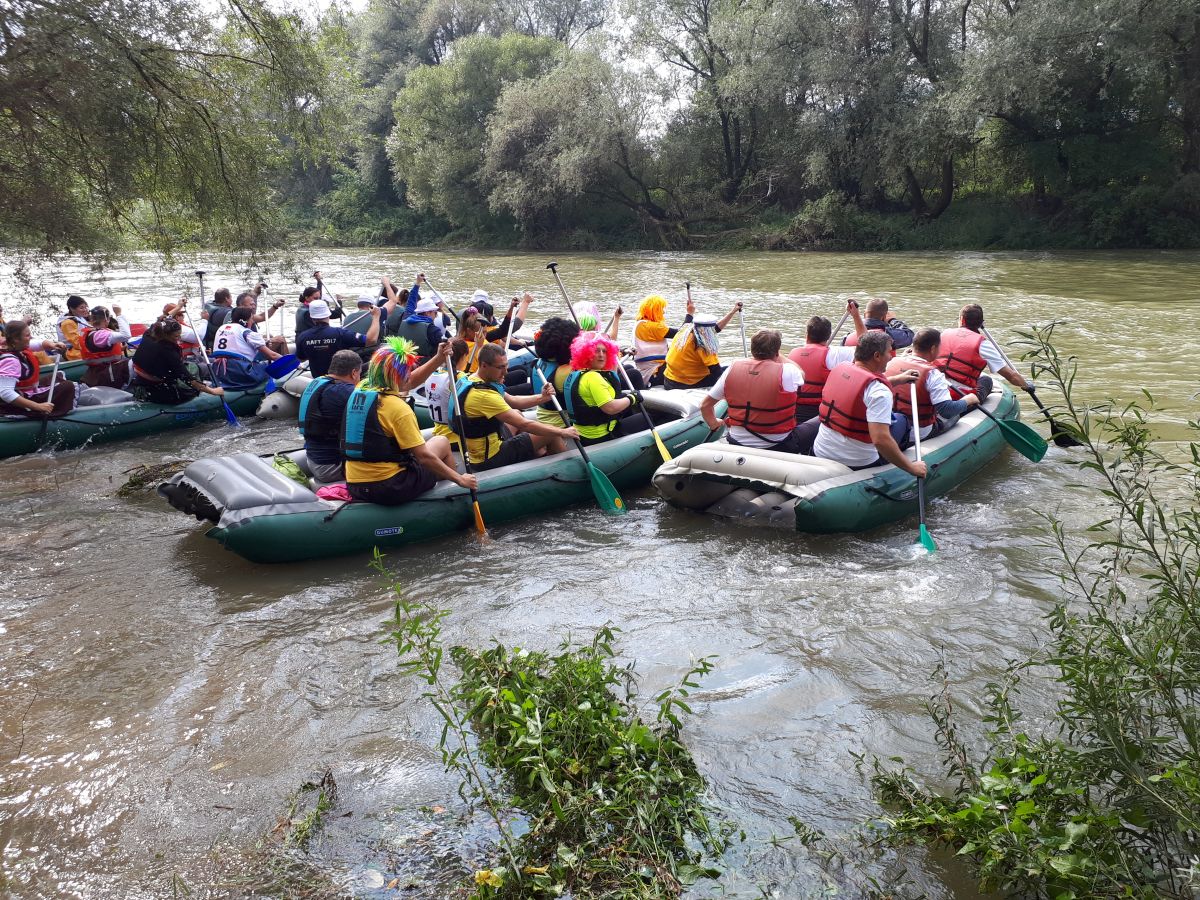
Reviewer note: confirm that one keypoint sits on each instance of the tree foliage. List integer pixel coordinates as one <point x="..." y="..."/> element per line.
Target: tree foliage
<point x="148" y="117"/>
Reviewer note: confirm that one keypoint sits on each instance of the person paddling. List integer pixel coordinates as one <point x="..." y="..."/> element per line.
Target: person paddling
<point x="880" y="318"/>
<point x="322" y="410"/>
<point x="760" y="393"/>
<point x="70" y="326"/>
<point x="490" y="418"/>
<point x="692" y="360"/>
<point x="387" y="460"/>
<point x="816" y="359"/>
<point x="240" y="354"/>
<point x="20" y="393"/>
<point x="159" y="375"/>
<point x="965" y="353"/>
<point x="322" y="340"/>
<point x="936" y="410"/>
<point x="595" y="399"/>
<point x="98" y="345"/>
<point x="552" y="344"/>
<point x="652" y="337"/>
<point x="857" y="425"/>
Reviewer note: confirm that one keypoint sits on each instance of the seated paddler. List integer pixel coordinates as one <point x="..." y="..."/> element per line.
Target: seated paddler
<point x="387" y="460"/>
<point x="496" y="432"/>
<point x="596" y="401"/>
<point x="760" y="393"/>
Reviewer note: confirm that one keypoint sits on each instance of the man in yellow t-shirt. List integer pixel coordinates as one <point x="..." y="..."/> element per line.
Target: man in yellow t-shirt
<point x="387" y="460"/>
<point x="490" y="416"/>
<point x="692" y="357"/>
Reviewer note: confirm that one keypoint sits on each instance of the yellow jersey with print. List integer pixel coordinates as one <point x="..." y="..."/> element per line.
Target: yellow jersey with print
<point x="595" y="391"/>
<point x="397" y="419"/>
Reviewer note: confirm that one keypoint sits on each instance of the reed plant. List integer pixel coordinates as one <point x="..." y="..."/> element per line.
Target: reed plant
<point x="1104" y="801"/>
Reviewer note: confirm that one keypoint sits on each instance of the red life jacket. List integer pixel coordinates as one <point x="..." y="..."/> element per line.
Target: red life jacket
<point x="959" y="357"/>
<point x="903" y="392"/>
<point x="843" y="407"/>
<point x="93" y="355"/>
<point x="811" y="360"/>
<point x="30" y="368"/>
<point x="756" y="399"/>
<point x="852" y="338"/>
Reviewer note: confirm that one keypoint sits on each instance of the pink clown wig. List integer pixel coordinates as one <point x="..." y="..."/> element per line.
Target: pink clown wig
<point x="585" y="347"/>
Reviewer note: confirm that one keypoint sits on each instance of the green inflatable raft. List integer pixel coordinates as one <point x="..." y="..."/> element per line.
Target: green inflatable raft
<point x="804" y="493"/>
<point x="71" y="369"/>
<point x="114" y="421"/>
<point x="266" y="517"/>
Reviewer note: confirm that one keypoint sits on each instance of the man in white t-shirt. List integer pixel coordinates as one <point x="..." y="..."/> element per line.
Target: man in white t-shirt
<point x="965" y="353"/>
<point x="936" y="410"/>
<point x="817" y="359"/>
<point x="857" y="426"/>
<point x="761" y="395"/>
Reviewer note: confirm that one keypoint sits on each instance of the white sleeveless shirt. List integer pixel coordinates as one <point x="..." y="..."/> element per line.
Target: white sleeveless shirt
<point x="237" y="339"/>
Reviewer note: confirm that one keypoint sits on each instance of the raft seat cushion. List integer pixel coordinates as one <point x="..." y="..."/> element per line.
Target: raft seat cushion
<point x="103" y="396"/>
<point x="245" y="485"/>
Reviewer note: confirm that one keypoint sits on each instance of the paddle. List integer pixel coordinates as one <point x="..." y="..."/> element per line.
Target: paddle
<point x="229" y="416"/>
<point x="924" y="536"/>
<point x="662" y="448"/>
<point x="742" y="325"/>
<point x="1059" y="434"/>
<point x="1020" y="437"/>
<point x="606" y="495"/>
<point x="277" y="368"/>
<point x="841" y="322"/>
<point x="50" y="393"/>
<point x="462" y="446"/>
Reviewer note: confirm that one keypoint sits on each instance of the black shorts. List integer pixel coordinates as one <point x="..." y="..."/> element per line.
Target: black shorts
<point x="400" y="488"/>
<point x="512" y="450"/>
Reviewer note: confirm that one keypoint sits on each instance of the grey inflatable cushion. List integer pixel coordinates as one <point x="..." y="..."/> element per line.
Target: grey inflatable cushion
<point x="103" y="396"/>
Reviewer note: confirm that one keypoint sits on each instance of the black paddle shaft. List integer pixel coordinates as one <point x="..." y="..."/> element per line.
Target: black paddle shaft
<point x="462" y="425"/>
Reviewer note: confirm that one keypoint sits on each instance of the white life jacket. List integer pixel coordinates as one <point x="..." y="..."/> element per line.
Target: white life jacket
<point x="648" y="356"/>
<point x="231" y="340"/>
<point x="440" y="397"/>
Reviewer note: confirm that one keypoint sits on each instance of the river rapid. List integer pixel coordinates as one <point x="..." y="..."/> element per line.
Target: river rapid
<point x="161" y="699"/>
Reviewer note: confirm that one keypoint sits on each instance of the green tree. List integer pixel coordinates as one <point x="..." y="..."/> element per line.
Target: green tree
<point x="437" y="145"/>
<point x="151" y="119"/>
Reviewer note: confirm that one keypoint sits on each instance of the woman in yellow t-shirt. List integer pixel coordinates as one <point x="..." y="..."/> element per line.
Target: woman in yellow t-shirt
<point x="387" y="460"/>
<point x="595" y="402"/>
<point x="652" y="335"/>
<point x="692" y="360"/>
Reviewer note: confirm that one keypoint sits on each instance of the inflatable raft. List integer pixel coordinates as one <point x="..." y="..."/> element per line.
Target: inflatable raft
<point x="106" y="414"/>
<point x="804" y="493"/>
<point x="265" y="516"/>
<point x="71" y="369"/>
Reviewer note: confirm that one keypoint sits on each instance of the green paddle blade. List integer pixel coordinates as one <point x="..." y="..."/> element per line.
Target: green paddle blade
<point x="927" y="540"/>
<point x="606" y="495"/>
<point x="1023" y="439"/>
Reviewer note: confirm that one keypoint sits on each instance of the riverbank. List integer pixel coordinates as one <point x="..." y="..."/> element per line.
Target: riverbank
<point x="1101" y="220"/>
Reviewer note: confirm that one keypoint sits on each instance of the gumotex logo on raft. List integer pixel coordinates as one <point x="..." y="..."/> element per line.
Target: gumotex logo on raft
<point x="187" y="416"/>
<point x="388" y="532"/>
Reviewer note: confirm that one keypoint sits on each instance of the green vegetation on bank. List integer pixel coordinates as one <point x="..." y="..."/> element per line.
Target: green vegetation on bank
<point x="1102" y="800"/>
<point x="594" y="801"/>
<point x="831" y="124"/>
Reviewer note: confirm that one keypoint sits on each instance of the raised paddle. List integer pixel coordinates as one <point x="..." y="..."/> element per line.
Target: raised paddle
<point x="553" y="267"/>
<point x="462" y="446"/>
<point x="842" y="321"/>
<point x="662" y="448"/>
<point x="924" y="536"/>
<point x="1057" y="432"/>
<point x="229" y="415"/>
<point x="606" y="495"/>
<point x="742" y="325"/>
<point x="50" y="393"/>
<point x="1020" y="437"/>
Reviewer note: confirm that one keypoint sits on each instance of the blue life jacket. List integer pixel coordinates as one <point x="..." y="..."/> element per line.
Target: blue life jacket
<point x="315" y="425"/>
<point x="475" y="426"/>
<point x="363" y="438"/>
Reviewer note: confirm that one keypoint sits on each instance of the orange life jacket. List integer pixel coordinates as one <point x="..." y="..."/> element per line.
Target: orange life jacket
<point x="852" y="338"/>
<point x="93" y="355"/>
<point x="811" y="360"/>
<point x="756" y="398"/>
<point x="843" y="407"/>
<point x="959" y="357"/>
<point x="30" y="368"/>
<point x="927" y="415"/>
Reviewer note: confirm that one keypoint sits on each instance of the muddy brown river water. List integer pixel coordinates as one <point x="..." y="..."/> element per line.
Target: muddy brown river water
<point x="160" y="698"/>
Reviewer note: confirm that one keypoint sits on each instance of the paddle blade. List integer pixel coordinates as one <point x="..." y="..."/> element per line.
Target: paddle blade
<point x="280" y="367"/>
<point x="1023" y="439"/>
<point x="1062" y="437"/>
<point x="479" y="526"/>
<point x="927" y="540"/>
<point x="229" y="416"/>
<point x="662" y="448"/>
<point x="606" y="495"/>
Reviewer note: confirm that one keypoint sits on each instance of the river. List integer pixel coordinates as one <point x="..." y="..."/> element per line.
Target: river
<point x="160" y="698"/>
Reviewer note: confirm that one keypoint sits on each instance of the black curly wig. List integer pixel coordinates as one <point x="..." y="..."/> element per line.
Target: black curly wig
<point x="553" y="341"/>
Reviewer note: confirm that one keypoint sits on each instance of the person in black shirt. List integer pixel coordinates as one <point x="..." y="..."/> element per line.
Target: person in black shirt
<point x="159" y="375"/>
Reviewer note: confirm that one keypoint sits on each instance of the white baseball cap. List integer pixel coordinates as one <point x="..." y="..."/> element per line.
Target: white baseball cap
<point x="366" y="300"/>
<point x="318" y="309"/>
<point x="426" y="304"/>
